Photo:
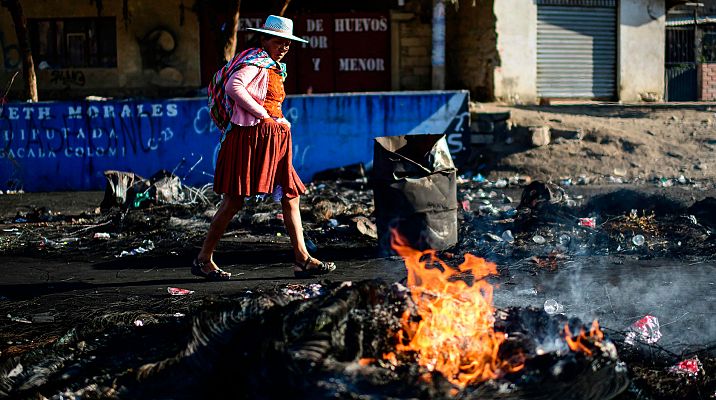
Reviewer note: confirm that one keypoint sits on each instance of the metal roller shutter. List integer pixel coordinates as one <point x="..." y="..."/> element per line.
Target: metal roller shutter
<point x="576" y="48"/>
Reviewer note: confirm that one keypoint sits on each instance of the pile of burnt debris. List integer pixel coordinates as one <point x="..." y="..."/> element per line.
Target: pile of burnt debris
<point x="544" y="225"/>
<point x="549" y="226"/>
<point x="150" y="216"/>
<point x="332" y="341"/>
<point x="330" y="345"/>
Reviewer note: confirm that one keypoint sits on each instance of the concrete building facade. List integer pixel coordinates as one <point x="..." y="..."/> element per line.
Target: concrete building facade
<point x="156" y="48"/>
<point x="494" y="48"/>
<point x="639" y="73"/>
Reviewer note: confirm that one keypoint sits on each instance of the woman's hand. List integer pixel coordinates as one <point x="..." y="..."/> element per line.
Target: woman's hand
<point x="272" y="122"/>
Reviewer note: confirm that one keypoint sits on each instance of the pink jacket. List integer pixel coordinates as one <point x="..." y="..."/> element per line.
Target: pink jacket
<point x="247" y="87"/>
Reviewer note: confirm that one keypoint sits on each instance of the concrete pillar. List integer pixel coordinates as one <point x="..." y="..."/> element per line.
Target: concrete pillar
<point x="438" y="56"/>
<point x="516" y="27"/>
<point x="396" y="18"/>
<point x="642" y="34"/>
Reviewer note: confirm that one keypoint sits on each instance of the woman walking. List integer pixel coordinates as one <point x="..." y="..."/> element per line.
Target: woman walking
<point x="255" y="155"/>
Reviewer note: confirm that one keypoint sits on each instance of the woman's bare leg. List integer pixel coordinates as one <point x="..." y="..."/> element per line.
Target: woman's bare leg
<point x="292" y="220"/>
<point x="229" y="206"/>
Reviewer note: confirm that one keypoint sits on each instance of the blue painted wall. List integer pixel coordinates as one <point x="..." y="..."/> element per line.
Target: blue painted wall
<point x="67" y="145"/>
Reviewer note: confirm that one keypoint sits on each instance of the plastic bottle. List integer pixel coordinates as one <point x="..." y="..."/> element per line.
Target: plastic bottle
<point x="638" y="240"/>
<point x="551" y="307"/>
<point x="507" y="236"/>
<point x="564" y="239"/>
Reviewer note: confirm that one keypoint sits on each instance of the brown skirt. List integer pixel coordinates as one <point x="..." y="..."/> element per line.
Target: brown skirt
<point x="254" y="160"/>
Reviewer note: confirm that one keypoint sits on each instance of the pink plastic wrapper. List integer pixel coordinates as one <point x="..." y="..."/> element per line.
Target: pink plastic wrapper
<point x="644" y="330"/>
<point x="588" y="222"/>
<point x="691" y="367"/>
<point x="466" y="205"/>
<point x="175" y="291"/>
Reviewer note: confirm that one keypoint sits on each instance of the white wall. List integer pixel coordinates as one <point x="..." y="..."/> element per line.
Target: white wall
<point x="516" y="26"/>
<point x="641" y="49"/>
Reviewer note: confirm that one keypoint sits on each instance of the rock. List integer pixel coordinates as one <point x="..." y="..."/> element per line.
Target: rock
<point x="325" y="210"/>
<point x="366" y="227"/>
<point x="261" y="218"/>
<point x="540" y="135"/>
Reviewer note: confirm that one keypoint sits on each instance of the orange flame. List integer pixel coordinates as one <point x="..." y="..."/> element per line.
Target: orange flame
<point x="579" y="344"/>
<point x="455" y="334"/>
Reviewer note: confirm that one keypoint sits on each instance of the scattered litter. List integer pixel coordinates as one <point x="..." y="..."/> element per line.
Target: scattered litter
<point x="138" y="322"/>
<point x="147" y="246"/>
<point x="179" y="291"/>
<point x="494" y="237"/>
<point x="588" y="222"/>
<point x="310" y="246"/>
<point x="465" y="205"/>
<point x="101" y="236"/>
<point x="551" y="307"/>
<point x="564" y="239"/>
<point x="691" y="367"/>
<point x="638" y="240"/>
<point x="478" y="178"/>
<point x="15" y="371"/>
<point x="644" y="330"/>
<point x="19" y="319"/>
<point x="45" y="317"/>
<point x="665" y="182"/>
<point x="303" y="291"/>
<point x="539" y="239"/>
<point x="507" y="236"/>
<point x="366" y="227"/>
<point x="501" y="183"/>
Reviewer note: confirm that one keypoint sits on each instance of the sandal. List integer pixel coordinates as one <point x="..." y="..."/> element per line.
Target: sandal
<point x="322" y="269"/>
<point x="216" y="275"/>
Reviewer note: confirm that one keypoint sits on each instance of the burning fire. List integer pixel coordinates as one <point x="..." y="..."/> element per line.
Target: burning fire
<point x="578" y="344"/>
<point x="455" y="334"/>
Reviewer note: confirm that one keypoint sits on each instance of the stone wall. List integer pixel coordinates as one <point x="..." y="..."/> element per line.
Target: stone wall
<point x="140" y="70"/>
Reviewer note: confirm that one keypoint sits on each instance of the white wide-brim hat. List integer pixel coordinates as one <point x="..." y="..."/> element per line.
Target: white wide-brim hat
<point x="278" y="26"/>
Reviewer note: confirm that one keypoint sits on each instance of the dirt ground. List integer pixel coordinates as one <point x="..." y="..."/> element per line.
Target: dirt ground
<point x="631" y="142"/>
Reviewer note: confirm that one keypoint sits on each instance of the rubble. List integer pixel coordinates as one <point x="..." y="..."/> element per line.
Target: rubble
<point x="540" y="135"/>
